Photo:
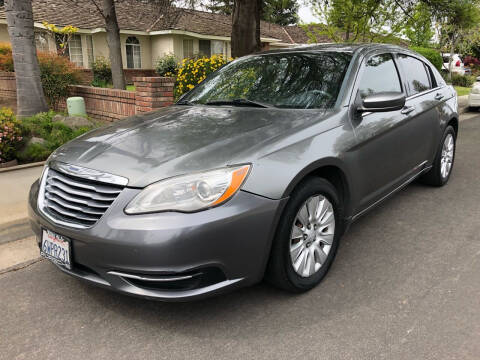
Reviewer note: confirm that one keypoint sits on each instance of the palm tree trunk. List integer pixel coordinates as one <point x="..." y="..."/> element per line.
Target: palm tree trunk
<point x="114" y="44"/>
<point x="246" y="27"/>
<point x="30" y="96"/>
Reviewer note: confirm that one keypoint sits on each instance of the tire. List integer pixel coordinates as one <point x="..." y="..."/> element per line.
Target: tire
<point x="434" y="176"/>
<point x="280" y="271"/>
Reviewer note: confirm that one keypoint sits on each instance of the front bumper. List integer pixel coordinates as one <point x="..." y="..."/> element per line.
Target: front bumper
<point x="474" y="100"/>
<point x="171" y="256"/>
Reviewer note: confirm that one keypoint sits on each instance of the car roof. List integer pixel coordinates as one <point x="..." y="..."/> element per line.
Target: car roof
<point x="349" y="48"/>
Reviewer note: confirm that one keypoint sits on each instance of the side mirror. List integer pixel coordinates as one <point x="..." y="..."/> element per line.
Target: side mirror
<point x="382" y="102"/>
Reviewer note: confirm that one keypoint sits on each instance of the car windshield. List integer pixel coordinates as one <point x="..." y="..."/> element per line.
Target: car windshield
<point x="295" y="80"/>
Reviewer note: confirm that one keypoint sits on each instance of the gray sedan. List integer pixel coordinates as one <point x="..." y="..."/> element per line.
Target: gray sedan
<point x="255" y="173"/>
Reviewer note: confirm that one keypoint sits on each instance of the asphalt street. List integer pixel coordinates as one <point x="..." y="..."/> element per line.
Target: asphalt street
<point x="405" y="285"/>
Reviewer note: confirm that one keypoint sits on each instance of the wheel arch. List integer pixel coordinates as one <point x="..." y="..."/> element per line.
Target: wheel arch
<point x="454" y="123"/>
<point x="331" y="170"/>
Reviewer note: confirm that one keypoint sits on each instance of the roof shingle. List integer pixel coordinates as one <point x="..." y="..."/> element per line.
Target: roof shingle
<point x="142" y="16"/>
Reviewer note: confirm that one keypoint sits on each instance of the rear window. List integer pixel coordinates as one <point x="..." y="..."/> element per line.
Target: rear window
<point x="416" y="75"/>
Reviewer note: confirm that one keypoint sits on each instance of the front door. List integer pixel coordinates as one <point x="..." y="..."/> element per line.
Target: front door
<point x="383" y="158"/>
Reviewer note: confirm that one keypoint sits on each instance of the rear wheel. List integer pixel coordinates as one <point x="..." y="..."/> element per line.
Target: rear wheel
<point x="307" y="237"/>
<point x="443" y="163"/>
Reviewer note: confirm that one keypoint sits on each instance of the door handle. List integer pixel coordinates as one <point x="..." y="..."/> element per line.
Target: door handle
<point x="407" y="110"/>
<point x="438" y="96"/>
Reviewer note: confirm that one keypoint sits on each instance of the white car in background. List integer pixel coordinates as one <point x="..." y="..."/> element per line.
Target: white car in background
<point x="474" y="96"/>
<point x="456" y="66"/>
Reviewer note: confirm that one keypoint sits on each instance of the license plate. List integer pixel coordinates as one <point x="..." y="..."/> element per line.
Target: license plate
<point x="56" y="248"/>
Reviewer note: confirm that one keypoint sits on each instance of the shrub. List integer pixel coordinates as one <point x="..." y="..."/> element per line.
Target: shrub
<point x="432" y="55"/>
<point x="471" y="61"/>
<point x="6" y="58"/>
<point x="57" y="73"/>
<point x="54" y="134"/>
<point x="166" y="65"/>
<point x="10" y="135"/>
<point x="462" y="80"/>
<point x="194" y="71"/>
<point x="102" y="72"/>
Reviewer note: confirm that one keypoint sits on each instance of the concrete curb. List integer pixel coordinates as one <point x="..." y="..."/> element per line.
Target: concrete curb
<point x="462" y="104"/>
<point x="21" y="167"/>
<point x="15" y="230"/>
<point x="21" y="266"/>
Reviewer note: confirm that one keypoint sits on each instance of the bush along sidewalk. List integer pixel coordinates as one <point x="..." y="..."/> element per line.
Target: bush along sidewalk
<point x="33" y="139"/>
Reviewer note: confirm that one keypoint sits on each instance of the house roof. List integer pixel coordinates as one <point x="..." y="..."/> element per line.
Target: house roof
<point x="138" y="15"/>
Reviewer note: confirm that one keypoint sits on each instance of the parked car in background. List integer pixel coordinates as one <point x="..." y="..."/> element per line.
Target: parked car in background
<point x="457" y="66"/>
<point x="474" y="96"/>
<point x="257" y="171"/>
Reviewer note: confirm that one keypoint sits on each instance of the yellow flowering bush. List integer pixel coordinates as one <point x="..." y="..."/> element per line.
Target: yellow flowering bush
<point x="194" y="71"/>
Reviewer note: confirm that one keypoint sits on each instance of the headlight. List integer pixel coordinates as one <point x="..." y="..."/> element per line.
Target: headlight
<point x="190" y="193"/>
<point x="476" y="90"/>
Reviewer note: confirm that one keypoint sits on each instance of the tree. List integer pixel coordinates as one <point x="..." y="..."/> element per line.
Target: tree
<point x="30" y="96"/>
<point x="457" y="20"/>
<point x="355" y="21"/>
<point x="418" y="27"/>
<point x="281" y="12"/>
<point x="246" y="27"/>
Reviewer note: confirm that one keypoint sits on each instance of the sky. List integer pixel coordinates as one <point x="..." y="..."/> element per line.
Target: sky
<point x="305" y="14"/>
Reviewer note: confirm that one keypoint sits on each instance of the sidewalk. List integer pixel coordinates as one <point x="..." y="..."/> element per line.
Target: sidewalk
<point x="17" y="243"/>
<point x="15" y="186"/>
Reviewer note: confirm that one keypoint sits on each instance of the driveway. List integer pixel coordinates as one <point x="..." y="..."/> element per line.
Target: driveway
<point x="405" y="285"/>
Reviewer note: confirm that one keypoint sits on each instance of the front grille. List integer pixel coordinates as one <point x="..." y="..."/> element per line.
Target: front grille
<point x="76" y="200"/>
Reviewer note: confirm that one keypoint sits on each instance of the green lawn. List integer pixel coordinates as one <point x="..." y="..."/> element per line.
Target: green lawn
<point x="461" y="90"/>
<point x="131" y="87"/>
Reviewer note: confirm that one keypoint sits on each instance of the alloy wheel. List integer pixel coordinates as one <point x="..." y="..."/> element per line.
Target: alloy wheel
<point x="312" y="235"/>
<point x="446" y="159"/>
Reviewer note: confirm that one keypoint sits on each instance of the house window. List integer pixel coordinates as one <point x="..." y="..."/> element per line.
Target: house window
<point x="41" y="41"/>
<point x="218" y="47"/>
<point x="204" y="47"/>
<point x="188" y="48"/>
<point x="134" y="58"/>
<point x="75" y="50"/>
<point x="89" y="41"/>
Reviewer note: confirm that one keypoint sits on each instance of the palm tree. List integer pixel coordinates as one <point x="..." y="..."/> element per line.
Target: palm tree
<point x="30" y="96"/>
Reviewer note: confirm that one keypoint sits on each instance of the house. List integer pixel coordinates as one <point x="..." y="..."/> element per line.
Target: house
<point x="145" y="32"/>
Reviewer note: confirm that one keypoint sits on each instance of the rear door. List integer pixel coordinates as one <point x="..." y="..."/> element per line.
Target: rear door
<point x="423" y="100"/>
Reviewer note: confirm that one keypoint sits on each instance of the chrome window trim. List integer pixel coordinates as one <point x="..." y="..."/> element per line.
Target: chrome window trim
<point x="89" y="174"/>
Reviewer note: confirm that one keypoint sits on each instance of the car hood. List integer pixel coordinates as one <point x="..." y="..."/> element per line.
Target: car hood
<point x="182" y="139"/>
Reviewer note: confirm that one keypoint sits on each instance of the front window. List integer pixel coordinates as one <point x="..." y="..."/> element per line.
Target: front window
<point x="296" y="80"/>
<point x="134" y="60"/>
<point x="187" y="48"/>
<point x="89" y="40"/>
<point x="75" y="50"/>
<point x="380" y="75"/>
<point x="41" y="41"/>
<point x="204" y="47"/>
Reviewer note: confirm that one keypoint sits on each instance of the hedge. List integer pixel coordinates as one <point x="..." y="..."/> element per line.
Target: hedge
<point x="432" y="55"/>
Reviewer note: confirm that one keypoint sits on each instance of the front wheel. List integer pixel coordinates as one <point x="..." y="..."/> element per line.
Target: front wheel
<point x="442" y="167"/>
<point x="307" y="237"/>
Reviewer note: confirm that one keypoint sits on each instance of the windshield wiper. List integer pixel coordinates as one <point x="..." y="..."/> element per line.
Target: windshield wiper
<point x="239" y="102"/>
<point x="185" y="102"/>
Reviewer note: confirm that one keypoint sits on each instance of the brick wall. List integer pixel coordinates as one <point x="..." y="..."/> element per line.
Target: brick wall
<point x="104" y="104"/>
<point x="111" y="104"/>
<point x="153" y="92"/>
<point x="8" y="87"/>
